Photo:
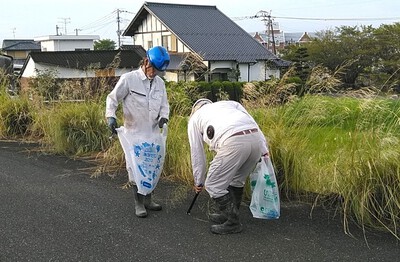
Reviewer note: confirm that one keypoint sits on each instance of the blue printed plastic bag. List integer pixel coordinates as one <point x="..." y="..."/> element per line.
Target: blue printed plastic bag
<point x="144" y="156"/>
<point x="265" y="202"/>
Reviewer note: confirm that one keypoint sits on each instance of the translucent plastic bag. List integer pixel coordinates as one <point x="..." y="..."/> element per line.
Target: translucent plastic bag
<point x="144" y="156"/>
<point x="265" y="202"/>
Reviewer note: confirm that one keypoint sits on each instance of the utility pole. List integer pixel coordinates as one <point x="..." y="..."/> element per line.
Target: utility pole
<point x="266" y="17"/>
<point x="66" y="20"/>
<point x="118" y="29"/>
<point x="272" y="32"/>
<point x="118" y="25"/>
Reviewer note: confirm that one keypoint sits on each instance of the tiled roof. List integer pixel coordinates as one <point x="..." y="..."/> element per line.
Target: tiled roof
<point x="205" y="30"/>
<point x="87" y="59"/>
<point x="20" y="45"/>
<point x="282" y="63"/>
<point x="295" y="37"/>
<point x="139" y="49"/>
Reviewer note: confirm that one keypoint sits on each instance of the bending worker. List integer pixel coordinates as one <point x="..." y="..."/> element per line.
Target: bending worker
<point x="228" y="129"/>
<point x="145" y="108"/>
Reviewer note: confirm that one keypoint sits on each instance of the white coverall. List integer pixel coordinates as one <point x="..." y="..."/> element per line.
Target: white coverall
<point x="236" y="155"/>
<point x="144" y="102"/>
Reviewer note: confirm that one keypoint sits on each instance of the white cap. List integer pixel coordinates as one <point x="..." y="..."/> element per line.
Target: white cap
<point x="199" y="103"/>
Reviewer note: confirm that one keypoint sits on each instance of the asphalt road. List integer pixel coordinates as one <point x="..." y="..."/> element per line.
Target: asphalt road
<point x="52" y="210"/>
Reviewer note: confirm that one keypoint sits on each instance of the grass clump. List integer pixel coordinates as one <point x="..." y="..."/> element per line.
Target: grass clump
<point x="343" y="148"/>
<point x="16" y="115"/>
<point x="75" y="128"/>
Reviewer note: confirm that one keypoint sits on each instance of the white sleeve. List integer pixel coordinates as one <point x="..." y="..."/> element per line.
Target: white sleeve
<point x="119" y="92"/>
<point x="197" y="153"/>
<point x="164" y="111"/>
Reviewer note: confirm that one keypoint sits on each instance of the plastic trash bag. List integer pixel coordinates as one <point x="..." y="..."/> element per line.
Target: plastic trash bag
<point x="144" y="156"/>
<point x="265" y="202"/>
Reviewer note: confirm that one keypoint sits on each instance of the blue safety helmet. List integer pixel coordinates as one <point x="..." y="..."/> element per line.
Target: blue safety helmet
<point x="158" y="57"/>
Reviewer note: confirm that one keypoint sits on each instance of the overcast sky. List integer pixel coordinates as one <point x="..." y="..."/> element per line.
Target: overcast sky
<point x="27" y="19"/>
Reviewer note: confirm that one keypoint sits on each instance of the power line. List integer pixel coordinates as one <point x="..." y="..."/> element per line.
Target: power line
<point x="99" y="22"/>
<point x="318" y="19"/>
<point x="339" y="19"/>
<point x="105" y="21"/>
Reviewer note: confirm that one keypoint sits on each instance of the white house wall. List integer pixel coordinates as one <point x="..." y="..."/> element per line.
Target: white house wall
<point x="172" y="77"/>
<point x="47" y="46"/>
<point x="244" y="74"/>
<point x="61" y="72"/>
<point x="29" y="69"/>
<point x="66" y="45"/>
<point x="257" y="72"/>
<point x="274" y="73"/>
<point x="152" y="30"/>
<point x="67" y="42"/>
<point x="222" y="64"/>
<point x="76" y="73"/>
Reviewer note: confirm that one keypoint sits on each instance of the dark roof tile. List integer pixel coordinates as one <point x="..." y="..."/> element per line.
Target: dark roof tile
<point x="205" y="30"/>
<point x="86" y="59"/>
<point x="20" y="45"/>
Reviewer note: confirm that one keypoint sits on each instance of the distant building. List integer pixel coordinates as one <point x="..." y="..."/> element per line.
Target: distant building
<point x="281" y="38"/>
<point x="81" y="65"/>
<point x="67" y="42"/>
<point x="298" y="38"/>
<point x="273" y="40"/>
<point x="19" y="50"/>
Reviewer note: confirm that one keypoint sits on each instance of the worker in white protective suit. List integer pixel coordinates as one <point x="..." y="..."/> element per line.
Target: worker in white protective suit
<point x="228" y="129"/>
<point x="145" y="107"/>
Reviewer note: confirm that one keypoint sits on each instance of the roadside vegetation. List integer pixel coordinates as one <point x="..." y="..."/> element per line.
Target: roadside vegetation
<point x="334" y="137"/>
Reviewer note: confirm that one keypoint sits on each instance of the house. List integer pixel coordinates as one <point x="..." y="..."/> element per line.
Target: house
<point x="19" y="50"/>
<point x="225" y="49"/>
<point x="282" y="39"/>
<point x="272" y="38"/>
<point x="298" y="38"/>
<point x="79" y="65"/>
<point x="67" y="42"/>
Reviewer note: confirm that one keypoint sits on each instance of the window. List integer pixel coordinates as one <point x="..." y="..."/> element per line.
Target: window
<point x="219" y="77"/>
<point x="174" y="43"/>
<point x="164" y="41"/>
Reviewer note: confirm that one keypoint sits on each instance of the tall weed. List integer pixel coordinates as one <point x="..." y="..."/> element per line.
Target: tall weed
<point x="346" y="148"/>
<point x="76" y="128"/>
<point x="16" y="115"/>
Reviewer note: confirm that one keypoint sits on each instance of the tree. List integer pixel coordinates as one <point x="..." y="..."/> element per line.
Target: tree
<point x="105" y="44"/>
<point x="386" y="68"/>
<point x="353" y="49"/>
<point x="353" y="46"/>
<point x="388" y="48"/>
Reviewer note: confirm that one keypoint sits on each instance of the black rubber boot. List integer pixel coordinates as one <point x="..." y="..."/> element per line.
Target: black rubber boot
<point x="150" y="204"/>
<point x="228" y="208"/>
<point x="236" y="193"/>
<point x="140" y="210"/>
